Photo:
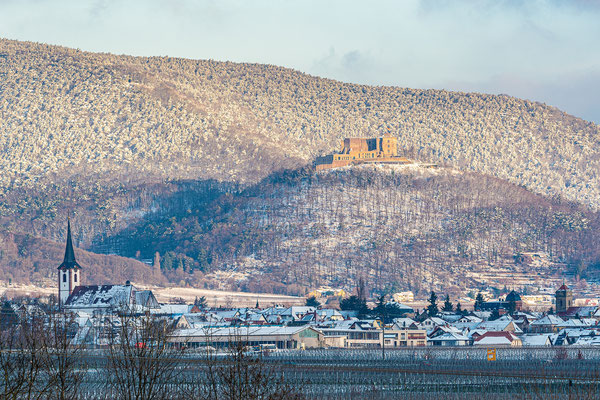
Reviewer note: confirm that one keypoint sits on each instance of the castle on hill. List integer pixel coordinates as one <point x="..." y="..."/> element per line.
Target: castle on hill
<point x="363" y="150"/>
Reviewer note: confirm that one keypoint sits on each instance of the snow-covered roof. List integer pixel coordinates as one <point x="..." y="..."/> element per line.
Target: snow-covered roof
<point x="548" y="320"/>
<point x="243" y="332"/>
<point x="577" y="323"/>
<point x="297" y="312"/>
<point x="449" y="336"/>
<point x="172" y="309"/>
<point x="499" y="325"/>
<point x="403" y="322"/>
<point x="328" y="313"/>
<point x="104" y="296"/>
<point x="542" y="339"/>
<point x="491" y="338"/>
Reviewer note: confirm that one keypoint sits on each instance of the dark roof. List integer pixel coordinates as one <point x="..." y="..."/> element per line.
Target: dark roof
<point x="69" y="261"/>
<point x="513" y="296"/>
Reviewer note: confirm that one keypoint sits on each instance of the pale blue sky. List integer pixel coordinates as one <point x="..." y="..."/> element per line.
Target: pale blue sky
<point x="543" y="50"/>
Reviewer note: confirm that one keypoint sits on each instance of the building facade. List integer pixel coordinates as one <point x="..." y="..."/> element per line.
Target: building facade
<point x="363" y="150"/>
<point x="564" y="299"/>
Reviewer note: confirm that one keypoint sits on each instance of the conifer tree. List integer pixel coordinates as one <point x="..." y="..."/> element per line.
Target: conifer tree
<point x="432" y="308"/>
<point x="478" y="301"/>
<point x="447" y="305"/>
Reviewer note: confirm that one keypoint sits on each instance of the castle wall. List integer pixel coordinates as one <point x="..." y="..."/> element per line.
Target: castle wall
<point x="359" y="150"/>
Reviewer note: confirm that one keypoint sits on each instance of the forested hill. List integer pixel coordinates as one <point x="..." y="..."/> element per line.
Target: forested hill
<point x="398" y="227"/>
<point x="146" y="147"/>
<point x="74" y="113"/>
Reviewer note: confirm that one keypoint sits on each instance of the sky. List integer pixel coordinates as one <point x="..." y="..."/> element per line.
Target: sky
<point x="542" y="50"/>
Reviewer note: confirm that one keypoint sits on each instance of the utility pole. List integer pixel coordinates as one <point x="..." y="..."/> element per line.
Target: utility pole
<point x="382" y="314"/>
<point x="383" y="340"/>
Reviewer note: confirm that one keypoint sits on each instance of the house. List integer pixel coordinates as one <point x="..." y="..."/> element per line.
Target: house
<point x="504" y="323"/>
<point x="498" y="339"/>
<point x="547" y="324"/>
<point x="283" y="337"/>
<point x="172" y="310"/>
<point x="467" y="322"/>
<point x="431" y="323"/>
<point x="359" y="337"/>
<point x="404" y="323"/>
<point x="577" y="323"/>
<point x="449" y="339"/>
<point x="540" y="340"/>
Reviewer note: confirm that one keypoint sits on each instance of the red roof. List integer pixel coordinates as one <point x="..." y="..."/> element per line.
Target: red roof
<point x="505" y="334"/>
<point x="563" y="287"/>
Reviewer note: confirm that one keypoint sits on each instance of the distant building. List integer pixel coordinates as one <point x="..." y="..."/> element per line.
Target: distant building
<point x="363" y="150"/>
<point x="403" y="297"/>
<point x="110" y="299"/>
<point x="105" y="298"/>
<point x="564" y="299"/>
<point x="498" y="339"/>
<point x="511" y="298"/>
<point x="281" y="337"/>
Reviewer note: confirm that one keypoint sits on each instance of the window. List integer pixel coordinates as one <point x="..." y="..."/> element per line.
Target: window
<point x="64" y="276"/>
<point x="75" y="278"/>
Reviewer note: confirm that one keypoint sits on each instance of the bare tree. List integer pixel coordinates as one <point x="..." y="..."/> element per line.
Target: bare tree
<point x="63" y="364"/>
<point x="22" y="357"/>
<point x="142" y="364"/>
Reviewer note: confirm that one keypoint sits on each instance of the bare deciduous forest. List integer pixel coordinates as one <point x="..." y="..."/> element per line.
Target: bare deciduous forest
<point x="400" y="227"/>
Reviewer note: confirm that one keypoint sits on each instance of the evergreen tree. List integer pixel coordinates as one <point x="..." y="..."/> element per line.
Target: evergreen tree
<point x="432" y="308"/>
<point x="495" y="315"/>
<point x="478" y="302"/>
<point x="353" y="303"/>
<point x="447" y="305"/>
<point x="459" y="309"/>
<point x="380" y="309"/>
<point x="312" y="302"/>
<point x="200" y="302"/>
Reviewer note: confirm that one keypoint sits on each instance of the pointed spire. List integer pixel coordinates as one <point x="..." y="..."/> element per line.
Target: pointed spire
<point x="69" y="260"/>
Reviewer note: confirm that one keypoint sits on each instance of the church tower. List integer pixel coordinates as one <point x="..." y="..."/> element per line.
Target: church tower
<point x="69" y="272"/>
<point x="564" y="299"/>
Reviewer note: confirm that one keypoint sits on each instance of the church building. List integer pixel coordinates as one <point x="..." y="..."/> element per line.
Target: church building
<point x="69" y="272"/>
<point x="76" y="297"/>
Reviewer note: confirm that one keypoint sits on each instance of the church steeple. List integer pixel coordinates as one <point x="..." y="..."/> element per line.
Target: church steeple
<point x="69" y="272"/>
<point x="69" y="260"/>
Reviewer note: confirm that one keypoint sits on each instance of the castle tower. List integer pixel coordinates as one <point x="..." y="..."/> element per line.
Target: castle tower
<point x="69" y="272"/>
<point x="564" y="299"/>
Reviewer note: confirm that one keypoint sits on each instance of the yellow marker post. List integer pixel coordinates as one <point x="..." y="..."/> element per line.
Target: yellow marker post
<point x="491" y="354"/>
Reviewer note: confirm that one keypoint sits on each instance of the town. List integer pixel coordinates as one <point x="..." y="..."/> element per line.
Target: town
<point x="505" y="322"/>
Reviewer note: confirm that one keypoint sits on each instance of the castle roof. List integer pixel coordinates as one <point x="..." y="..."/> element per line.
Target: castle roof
<point x="563" y="287"/>
<point x="69" y="262"/>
